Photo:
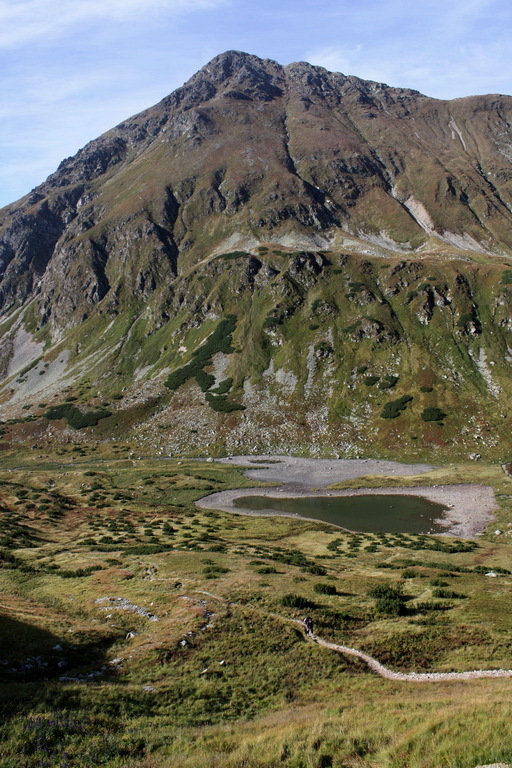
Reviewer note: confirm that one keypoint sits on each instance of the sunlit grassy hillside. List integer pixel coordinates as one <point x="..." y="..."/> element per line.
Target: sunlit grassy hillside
<point x="137" y="630"/>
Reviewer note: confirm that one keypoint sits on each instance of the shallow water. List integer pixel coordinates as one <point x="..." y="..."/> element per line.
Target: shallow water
<point x="371" y="513"/>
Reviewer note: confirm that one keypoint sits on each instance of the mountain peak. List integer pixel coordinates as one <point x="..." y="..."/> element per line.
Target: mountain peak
<point x="327" y="213"/>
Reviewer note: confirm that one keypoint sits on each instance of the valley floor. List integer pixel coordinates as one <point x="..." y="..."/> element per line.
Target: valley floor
<point x="140" y="630"/>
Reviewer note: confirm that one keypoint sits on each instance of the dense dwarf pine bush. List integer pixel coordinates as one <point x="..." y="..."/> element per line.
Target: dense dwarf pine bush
<point x="389" y="600"/>
<point x="218" y="341"/>
<point x="433" y="414"/>
<point x="394" y="408"/>
<point x="74" y="416"/>
<point x="325" y="589"/>
<point x="296" y="601"/>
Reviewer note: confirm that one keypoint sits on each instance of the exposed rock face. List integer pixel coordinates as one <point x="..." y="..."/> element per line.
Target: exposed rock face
<point x="264" y="151"/>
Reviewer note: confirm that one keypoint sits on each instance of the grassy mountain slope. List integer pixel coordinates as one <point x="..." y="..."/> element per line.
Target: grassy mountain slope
<point x="315" y="347"/>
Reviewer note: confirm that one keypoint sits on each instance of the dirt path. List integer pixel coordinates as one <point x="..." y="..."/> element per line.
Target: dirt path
<point x="376" y="666"/>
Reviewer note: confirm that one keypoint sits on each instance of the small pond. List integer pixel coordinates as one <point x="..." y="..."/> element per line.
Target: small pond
<point x="371" y="513"/>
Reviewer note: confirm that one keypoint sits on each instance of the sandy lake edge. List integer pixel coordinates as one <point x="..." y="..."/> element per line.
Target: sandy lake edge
<point x="470" y="508"/>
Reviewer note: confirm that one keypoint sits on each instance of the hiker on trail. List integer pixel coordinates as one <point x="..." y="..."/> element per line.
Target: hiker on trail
<point x="308" y="625"/>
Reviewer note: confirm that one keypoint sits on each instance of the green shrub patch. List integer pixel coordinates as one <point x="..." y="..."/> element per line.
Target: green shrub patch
<point x="388" y="382"/>
<point x="324" y="589"/>
<point x="389" y="600"/>
<point x="447" y="594"/>
<point x="433" y="414"/>
<point x="221" y="404"/>
<point x="271" y="321"/>
<point x="394" y="408"/>
<point x="224" y="387"/>
<point x="75" y="417"/>
<point x="296" y="601"/>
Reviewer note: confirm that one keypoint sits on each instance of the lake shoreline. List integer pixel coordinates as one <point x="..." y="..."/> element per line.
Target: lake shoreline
<point x="470" y="508"/>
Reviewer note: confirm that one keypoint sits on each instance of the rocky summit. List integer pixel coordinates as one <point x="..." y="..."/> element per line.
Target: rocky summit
<point x="273" y="258"/>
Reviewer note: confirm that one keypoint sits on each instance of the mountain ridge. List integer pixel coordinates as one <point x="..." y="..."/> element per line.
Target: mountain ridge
<point x="264" y="192"/>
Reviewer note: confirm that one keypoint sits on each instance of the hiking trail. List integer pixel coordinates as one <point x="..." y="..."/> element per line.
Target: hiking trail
<point x="376" y="666"/>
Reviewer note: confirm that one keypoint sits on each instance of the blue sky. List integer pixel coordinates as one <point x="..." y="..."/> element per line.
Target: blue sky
<point x="72" y="69"/>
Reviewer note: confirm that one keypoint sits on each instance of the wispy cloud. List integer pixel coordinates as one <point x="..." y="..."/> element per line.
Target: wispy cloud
<point x="442" y="49"/>
<point x="333" y="58"/>
<point x="22" y="21"/>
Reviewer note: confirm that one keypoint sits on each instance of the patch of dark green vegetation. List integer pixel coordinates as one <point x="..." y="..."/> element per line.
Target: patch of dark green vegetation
<point x="14" y="534"/>
<point x="433" y="414"/>
<point x="506" y="278"/>
<point x="224" y="387"/>
<point x="370" y="381"/>
<point x="205" y="380"/>
<point x="22" y="420"/>
<point x="324" y="589"/>
<point x="449" y="594"/>
<point x="388" y="382"/>
<point x="296" y="601"/>
<point x="76" y="418"/>
<point x="394" y="408"/>
<point x="10" y="561"/>
<point x="221" y="404"/>
<point x="142" y="549"/>
<point x="426" y="389"/>
<point x="271" y="321"/>
<point x="389" y="600"/>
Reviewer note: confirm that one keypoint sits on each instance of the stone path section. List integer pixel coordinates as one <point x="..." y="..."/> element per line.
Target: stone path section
<point x="412" y="677"/>
<point x="376" y="666"/>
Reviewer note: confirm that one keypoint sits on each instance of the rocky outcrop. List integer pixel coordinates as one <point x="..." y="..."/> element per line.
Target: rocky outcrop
<point x="268" y="152"/>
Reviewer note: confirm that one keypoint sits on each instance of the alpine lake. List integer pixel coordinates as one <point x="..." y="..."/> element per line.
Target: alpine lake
<point x="369" y="513"/>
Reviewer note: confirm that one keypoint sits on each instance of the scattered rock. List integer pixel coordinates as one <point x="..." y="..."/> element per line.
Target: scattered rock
<point x="123" y="604"/>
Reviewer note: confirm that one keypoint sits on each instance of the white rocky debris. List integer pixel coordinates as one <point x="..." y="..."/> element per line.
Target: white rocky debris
<point x="123" y="604"/>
